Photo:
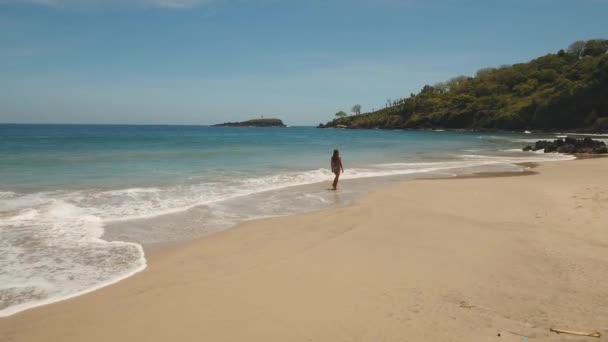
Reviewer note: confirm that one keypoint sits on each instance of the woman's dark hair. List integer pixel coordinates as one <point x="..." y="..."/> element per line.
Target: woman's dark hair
<point x="335" y="155"/>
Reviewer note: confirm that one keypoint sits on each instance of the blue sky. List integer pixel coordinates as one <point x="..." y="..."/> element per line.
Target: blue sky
<point x="209" y="61"/>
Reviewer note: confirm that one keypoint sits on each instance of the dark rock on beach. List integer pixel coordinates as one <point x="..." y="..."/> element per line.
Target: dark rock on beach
<point x="570" y="146"/>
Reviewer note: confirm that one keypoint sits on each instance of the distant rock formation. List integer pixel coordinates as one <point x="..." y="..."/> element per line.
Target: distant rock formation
<point x="254" y="123"/>
<point x="569" y="145"/>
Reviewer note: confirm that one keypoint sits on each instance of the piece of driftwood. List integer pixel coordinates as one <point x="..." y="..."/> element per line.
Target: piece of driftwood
<point x="578" y="333"/>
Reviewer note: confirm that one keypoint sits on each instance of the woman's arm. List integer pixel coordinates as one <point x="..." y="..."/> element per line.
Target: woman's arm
<point x="341" y="167"/>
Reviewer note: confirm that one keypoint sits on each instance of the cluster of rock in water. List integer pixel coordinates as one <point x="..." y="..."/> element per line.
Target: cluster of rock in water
<point x="569" y="145"/>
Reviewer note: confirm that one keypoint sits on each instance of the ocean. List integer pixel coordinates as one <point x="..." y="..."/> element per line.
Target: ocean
<point x="79" y="202"/>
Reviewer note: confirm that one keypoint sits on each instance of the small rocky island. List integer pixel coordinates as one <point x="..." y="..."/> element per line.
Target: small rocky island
<point x="569" y="145"/>
<point x="254" y="123"/>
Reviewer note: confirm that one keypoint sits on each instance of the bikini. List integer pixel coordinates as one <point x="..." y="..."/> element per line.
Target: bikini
<point x="335" y="166"/>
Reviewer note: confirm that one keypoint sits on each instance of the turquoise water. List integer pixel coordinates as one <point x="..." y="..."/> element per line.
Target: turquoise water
<point x="77" y="202"/>
<point x="57" y="157"/>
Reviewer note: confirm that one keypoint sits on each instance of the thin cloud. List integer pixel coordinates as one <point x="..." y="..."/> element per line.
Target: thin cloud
<point x="180" y="3"/>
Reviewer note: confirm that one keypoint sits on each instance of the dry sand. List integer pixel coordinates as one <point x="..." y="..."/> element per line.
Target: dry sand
<point x="428" y="260"/>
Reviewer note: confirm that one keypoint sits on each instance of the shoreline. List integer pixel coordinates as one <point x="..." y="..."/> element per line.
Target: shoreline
<point x="364" y="186"/>
<point x="275" y="246"/>
<point x="355" y="189"/>
<point x="149" y="249"/>
<point x="161" y="247"/>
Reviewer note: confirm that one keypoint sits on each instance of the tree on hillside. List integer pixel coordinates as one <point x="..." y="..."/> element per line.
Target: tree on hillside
<point x="341" y="114"/>
<point x="595" y="47"/>
<point x="356" y="109"/>
<point x="577" y="48"/>
<point x="483" y="71"/>
<point x="455" y="84"/>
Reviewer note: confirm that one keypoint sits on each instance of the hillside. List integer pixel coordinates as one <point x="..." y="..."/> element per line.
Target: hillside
<point x="254" y="123"/>
<point x="565" y="90"/>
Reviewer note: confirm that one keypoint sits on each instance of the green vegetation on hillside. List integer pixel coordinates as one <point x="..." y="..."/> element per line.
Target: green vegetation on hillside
<point x="566" y="90"/>
<point x="254" y="123"/>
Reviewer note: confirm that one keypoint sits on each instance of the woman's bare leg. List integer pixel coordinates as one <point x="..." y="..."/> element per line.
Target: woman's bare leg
<point x="335" y="185"/>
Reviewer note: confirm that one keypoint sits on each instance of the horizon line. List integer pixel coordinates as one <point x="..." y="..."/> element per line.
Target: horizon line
<point x="123" y="124"/>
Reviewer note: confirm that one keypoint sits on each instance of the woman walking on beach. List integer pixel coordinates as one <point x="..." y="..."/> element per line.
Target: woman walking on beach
<point x="336" y="167"/>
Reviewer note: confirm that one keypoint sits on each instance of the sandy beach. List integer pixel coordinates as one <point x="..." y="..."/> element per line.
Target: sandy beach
<point x="425" y="260"/>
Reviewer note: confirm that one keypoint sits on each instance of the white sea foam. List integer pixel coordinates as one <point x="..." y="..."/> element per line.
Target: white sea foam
<point x="7" y="194"/>
<point x="560" y="136"/>
<point x="590" y="134"/>
<point x="54" y="252"/>
<point x="524" y="140"/>
<point x="136" y="203"/>
<point x="51" y="246"/>
<point x="530" y="157"/>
